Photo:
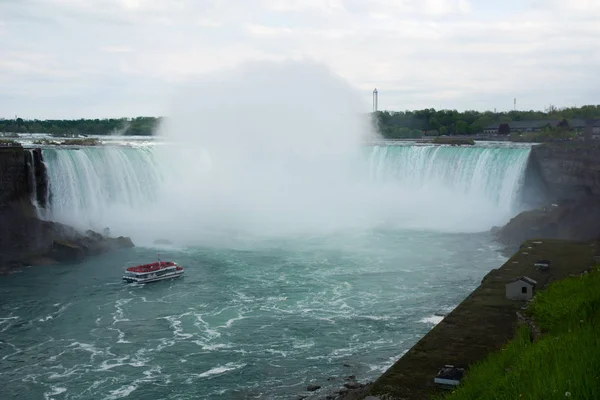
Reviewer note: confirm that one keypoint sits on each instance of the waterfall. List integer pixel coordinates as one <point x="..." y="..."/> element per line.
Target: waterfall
<point x="90" y="186"/>
<point x="133" y="192"/>
<point x="32" y="181"/>
<point x="37" y="181"/>
<point x="494" y="175"/>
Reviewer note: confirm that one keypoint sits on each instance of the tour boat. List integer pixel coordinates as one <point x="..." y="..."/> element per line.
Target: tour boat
<point x="156" y="271"/>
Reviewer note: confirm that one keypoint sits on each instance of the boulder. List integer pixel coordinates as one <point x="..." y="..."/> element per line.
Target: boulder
<point x="313" y="388"/>
<point x="353" y="385"/>
<point x="66" y="251"/>
<point x="572" y="220"/>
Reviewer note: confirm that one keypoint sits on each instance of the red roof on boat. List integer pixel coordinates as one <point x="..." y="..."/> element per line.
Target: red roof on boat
<point x="155" y="266"/>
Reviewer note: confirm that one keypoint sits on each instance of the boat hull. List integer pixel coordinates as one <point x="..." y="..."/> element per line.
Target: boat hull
<point x="133" y="279"/>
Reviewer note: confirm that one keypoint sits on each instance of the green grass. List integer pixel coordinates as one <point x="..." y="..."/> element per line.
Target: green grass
<point x="565" y="359"/>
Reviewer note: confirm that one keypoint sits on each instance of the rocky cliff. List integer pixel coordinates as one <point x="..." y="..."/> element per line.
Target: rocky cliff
<point x="566" y="177"/>
<point x="26" y="239"/>
<point x="570" y="171"/>
<point x="13" y="174"/>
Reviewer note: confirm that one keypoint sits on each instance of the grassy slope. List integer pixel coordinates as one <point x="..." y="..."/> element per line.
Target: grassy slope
<point x="564" y="362"/>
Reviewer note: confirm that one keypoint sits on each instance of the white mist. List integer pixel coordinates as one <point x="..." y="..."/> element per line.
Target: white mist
<point x="266" y="149"/>
<point x="278" y="149"/>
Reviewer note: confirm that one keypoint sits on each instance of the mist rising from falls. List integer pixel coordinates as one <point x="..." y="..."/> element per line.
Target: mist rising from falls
<point x="455" y="189"/>
<point x="278" y="149"/>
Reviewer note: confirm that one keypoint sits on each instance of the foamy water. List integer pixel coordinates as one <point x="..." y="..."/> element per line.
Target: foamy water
<point x="260" y="320"/>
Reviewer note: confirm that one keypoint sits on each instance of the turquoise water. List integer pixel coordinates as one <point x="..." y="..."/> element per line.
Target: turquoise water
<point x="260" y="319"/>
<point x="299" y="268"/>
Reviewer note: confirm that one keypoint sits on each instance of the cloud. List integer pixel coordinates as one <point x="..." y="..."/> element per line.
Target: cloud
<point x="419" y="53"/>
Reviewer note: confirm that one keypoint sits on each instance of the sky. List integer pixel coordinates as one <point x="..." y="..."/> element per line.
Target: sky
<point x="125" y="58"/>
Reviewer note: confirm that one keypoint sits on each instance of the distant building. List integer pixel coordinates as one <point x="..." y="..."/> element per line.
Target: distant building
<point x="578" y="124"/>
<point x="520" y="289"/>
<point x="523" y="126"/>
<point x="449" y="376"/>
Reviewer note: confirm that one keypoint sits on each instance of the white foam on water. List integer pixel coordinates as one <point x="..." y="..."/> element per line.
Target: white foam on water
<point x="122" y="392"/>
<point x="230" y="321"/>
<point x="56" y="390"/>
<point x="432" y="319"/>
<point x="221" y="369"/>
<point x="175" y="324"/>
<point x="90" y="348"/>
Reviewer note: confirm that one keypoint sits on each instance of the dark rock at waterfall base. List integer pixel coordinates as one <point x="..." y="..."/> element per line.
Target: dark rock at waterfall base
<point x="312" y="388"/>
<point x="569" y="220"/>
<point x="76" y="247"/>
<point x="65" y="251"/>
<point x="27" y="240"/>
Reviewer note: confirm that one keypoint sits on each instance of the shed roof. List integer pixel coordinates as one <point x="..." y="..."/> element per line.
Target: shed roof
<point x="526" y="280"/>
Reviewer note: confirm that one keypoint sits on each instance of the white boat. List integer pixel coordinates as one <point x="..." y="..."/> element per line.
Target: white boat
<point x="156" y="271"/>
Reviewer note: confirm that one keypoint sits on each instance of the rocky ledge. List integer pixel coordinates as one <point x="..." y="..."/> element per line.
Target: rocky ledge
<point x="28" y="240"/>
<point x="348" y="389"/>
<point x="568" y="220"/>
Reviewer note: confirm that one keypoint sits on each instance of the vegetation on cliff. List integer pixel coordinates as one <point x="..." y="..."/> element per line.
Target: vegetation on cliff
<point x="563" y="362"/>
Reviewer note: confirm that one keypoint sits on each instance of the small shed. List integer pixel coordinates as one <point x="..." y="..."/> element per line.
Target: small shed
<point x="520" y="289"/>
<point x="542" y="265"/>
<point x="449" y="376"/>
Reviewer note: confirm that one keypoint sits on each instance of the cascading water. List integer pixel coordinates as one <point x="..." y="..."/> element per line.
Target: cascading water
<point x="442" y="188"/>
<point x="33" y="183"/>
<point x="92" y="187"/>
<point x="493" y="175"/>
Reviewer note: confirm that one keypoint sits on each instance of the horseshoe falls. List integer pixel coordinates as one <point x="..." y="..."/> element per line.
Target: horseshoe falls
<point x="296" y="273"/>
<point x="442" y="188"/>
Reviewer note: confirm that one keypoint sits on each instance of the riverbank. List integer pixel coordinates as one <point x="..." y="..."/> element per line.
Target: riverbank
<point x="481" y="324"/>
<point x="555" y="354"/>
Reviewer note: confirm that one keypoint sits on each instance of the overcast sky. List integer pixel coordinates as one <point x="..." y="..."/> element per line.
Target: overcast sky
<point x="102" y="58"/>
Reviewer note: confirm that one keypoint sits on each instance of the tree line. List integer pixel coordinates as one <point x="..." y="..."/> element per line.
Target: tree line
<point x="64" y="128"/>
<point x="391" y="124"/>
<point x="413" y="124"/>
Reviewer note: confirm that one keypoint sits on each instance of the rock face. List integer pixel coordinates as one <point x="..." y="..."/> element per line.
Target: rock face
<point x="569" y="171"/>
<point x="24" y="238"/>
<point x="565" y="177"/>
<point x="575" y="220"/>
<point x="13" y="174"/>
